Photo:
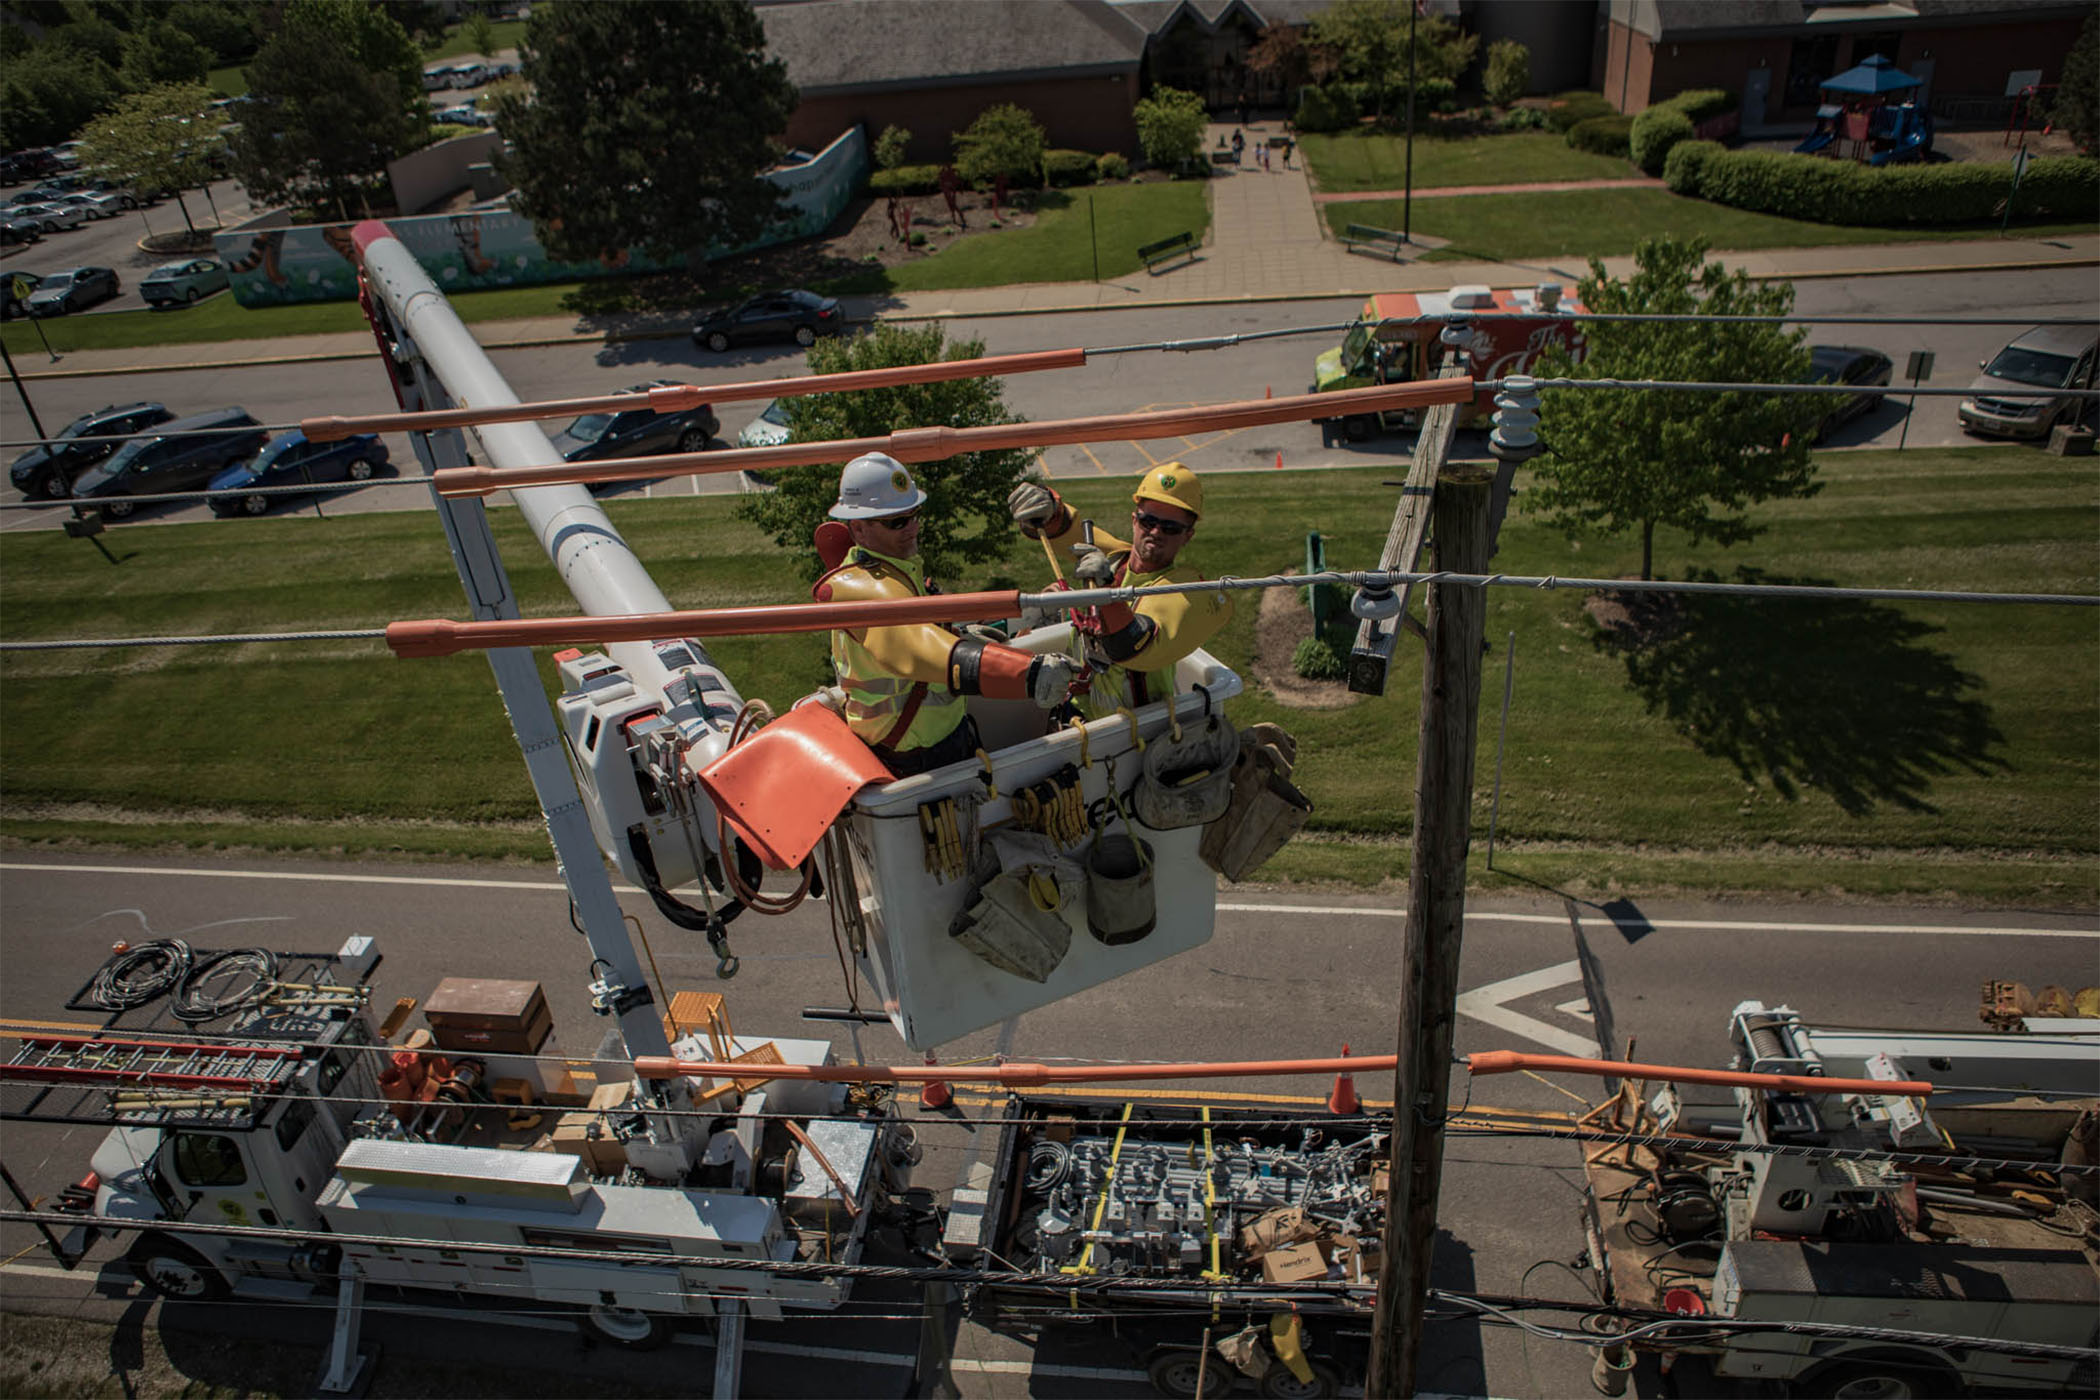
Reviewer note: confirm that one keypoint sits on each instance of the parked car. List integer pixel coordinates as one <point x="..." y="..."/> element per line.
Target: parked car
<point x="75" y="289"/>
<point x="290" y="460"/>
<point x="466" y="114"/>
<point x="637" y="432"/>
<point x="179" y="456"/>
<point x="52" y="218"/>
<point x="2047" y="357"/>
<point x="95" y="206"/>
<point x="1846" y="364"/>
<point x="791" y="315"/>
<point x="19" y="228"/>
<point x="183" y="281"/>
<point x="49" y="471"/>
<point x="769" y="429"/>
<point x="56" y="185"/>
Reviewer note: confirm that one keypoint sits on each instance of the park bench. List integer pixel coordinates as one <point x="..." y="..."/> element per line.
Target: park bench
<point x="1362" y="238"/>
<point x="1167" y="249"/>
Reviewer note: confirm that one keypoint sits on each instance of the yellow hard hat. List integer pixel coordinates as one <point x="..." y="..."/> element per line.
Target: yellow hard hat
<point x="1174" y="484"/>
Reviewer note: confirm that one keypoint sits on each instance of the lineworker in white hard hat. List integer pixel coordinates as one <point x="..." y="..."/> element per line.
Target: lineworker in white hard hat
<point x="905" y="684"/>
<point x="1139" y="646"/>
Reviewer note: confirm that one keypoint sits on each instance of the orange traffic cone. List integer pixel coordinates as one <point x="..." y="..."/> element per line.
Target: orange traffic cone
<point x="1279" y="461"/>
<point x="935" y="1093"/>
<point x="1342" y="1098"/>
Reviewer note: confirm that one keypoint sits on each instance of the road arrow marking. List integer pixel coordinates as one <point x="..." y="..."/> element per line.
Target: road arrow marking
<point x="1486" y="1004"/>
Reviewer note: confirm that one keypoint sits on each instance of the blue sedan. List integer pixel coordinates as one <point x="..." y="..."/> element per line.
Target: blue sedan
<point x="290" y="460"/>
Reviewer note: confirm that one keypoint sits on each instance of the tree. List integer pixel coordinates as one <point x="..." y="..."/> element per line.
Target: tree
<point x="1622" y="459"/>
<point x="891" y="147"/>
<point x="1372" y="38"/>
<point x="1004" y="140"/>
<point x="966" y="519"/>
<point x="227" y="30"/>
<point x="1170" y="126"/>
<point x="1508" y="74"/>
<point x="163" y="52"/>
<point x="334" y="94"/>
<point x="159" y="139"/>
<point x="1284" y="49"/>
<point x="648" y="125"/>
<point x="481" y="34"/>
<point x="2076" y="107"/>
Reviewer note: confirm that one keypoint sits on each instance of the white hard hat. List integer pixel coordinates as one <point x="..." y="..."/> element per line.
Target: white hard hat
<point x="874" y="486"/>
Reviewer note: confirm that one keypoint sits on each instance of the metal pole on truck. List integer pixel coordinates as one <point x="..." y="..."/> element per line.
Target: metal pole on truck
<point x="1436" y="902"/>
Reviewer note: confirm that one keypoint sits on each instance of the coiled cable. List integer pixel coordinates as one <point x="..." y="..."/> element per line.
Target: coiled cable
<point x="244" y="973"/>
<point x="139" y="974"/>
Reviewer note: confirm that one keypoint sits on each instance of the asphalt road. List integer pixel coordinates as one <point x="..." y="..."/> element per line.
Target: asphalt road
<point x="1286" y="975"/>
<point x="1150" y="379"/>
<point x="114" y="243"/>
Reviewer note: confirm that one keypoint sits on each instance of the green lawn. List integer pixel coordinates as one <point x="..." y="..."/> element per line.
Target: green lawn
<point x="456" y="45"/>
<point x="228" y="82"/>
<point x="1909" y="750"/>
<point x="1061" y="245"/>
<point x="1581" y="223"/>
<point x="1362" y="160"/>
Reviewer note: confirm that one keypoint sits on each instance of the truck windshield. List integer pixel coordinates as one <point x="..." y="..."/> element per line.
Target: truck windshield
<point x="1356" y="348"/>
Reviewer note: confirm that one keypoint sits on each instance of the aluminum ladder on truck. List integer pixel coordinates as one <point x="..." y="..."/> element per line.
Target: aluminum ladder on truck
<point x="197" y="1069"/>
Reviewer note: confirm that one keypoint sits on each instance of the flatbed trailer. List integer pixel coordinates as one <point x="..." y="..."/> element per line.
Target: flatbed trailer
<point x="1165" y="1189"/>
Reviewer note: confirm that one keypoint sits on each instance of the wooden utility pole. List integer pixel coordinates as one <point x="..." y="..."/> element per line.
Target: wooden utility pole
<point x="1436" y="902"/>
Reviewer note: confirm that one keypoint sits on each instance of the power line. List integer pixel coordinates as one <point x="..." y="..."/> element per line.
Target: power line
<point x="1725" y="386"/>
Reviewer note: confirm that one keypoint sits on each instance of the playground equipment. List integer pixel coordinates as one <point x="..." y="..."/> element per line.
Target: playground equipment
<point x="1860" y="119"/>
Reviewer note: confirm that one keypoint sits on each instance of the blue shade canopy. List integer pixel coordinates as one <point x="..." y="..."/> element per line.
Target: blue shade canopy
<point x="1877" y="75"/>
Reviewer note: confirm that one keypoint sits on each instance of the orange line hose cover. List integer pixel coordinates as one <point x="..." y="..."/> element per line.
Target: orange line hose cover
<point x="1507" y="1061"/>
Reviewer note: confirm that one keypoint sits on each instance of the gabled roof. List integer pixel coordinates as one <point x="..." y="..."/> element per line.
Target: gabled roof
<point x="1714" y="19"/>
<point x="1157" y="16"/>
<point x="833" y="46"/>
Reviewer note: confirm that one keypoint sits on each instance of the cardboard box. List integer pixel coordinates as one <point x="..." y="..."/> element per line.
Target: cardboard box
<point x="1352" y="1260"/>
<point x="1274" y="1229"/>
<point x="607" y="1097"/>
<point x="1294" y="1263"/>
<point x="581" y="1135"/>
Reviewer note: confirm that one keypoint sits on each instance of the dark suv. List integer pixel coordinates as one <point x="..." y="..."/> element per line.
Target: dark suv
<point x="48" y="471"/>
<point x="637" y="432"/>
<point x="180" y="456"/>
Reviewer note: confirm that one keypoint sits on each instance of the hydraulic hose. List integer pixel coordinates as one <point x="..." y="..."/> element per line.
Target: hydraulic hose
<point x="682" y="914"/>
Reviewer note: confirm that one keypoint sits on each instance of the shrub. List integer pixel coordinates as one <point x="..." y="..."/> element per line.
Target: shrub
<point x="905" y="179"/>
<point x="1005" y="140"/>
<point x="1521" y="119"/>
<point x="1508" y="75"/>
<point x="1112" y="165"/>
<point x="1605" y="136"/>
<point x="1842" y="192"/>
<point x="1315" y="660"/>
<point x="1654" y="132"/>
<point x="1170" y="127"/>
<point x="1702" y="104"/>
<point x="1685" y="161"/>
<point x="1431" y="95"/>
<point x="1328" y="107"/>
<point x="1068" y="167"/>
<point x="890" y="147"/>
<point x="1572" y="107"/>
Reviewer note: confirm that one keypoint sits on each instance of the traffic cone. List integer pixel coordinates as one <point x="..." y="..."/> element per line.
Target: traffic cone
<point x="935" y="1093"/>
<point x="1279" y="461"/>
<point x="1342" y="1098"/>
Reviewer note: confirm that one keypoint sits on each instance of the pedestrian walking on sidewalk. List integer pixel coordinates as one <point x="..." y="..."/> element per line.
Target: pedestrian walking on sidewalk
<point x="1288" y="146"/>
<point x="1261" y="156"/>
<point x="1239" y="145"/>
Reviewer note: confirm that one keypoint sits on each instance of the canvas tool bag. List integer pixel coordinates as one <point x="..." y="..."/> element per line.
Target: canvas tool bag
<point x="1264" y="811"/>
<point x="1017" y="921"/>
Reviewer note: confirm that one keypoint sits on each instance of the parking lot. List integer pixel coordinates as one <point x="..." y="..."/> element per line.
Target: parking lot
<point x="114" y="242"/>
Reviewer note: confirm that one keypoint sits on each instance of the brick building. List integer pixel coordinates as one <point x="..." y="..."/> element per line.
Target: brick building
<point x="1775" y="52"/>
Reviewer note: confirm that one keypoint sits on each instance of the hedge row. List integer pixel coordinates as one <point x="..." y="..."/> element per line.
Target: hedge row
<point x="1667" y="123"/>
<point x="1571" y="107"/>
<point x="1845" y="192"/>
<point x="1060" y="167"/>
<point x="1606" y="136"/>
<point x="1338" y="106"/>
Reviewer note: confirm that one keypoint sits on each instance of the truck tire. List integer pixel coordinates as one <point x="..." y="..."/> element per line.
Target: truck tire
<point x="1358" y="427"/>
<point x="172" y="1269"/>
<point x="1279" y="1384"/>
<point x="627" y="1328"/>
<point x="1173" y="1371"/>
<point x="1880" y="1378"/>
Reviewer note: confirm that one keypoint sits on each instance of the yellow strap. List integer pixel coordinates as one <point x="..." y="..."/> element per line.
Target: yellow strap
<point x="1115" y="1153"/>
<point x="1136" y="739"/>
<point x="991" y="783"/>
<point x="1210" y="1212"/>
<point x="1086" y="757"/>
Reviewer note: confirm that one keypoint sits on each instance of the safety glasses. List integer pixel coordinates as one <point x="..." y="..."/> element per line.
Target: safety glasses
<point x="898" y="522"/>
<point x="1148" y="521"/>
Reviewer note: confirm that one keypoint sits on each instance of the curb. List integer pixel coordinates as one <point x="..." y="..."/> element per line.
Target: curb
<point x="994" y="313"/>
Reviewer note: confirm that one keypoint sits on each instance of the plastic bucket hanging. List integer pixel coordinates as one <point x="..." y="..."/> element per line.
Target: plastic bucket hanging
<point x="1121" y="900"/>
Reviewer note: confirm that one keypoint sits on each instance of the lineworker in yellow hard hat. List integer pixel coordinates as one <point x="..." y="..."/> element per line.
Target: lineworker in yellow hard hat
<point x="1137" y="646"/>
<point x="905" y="684"/>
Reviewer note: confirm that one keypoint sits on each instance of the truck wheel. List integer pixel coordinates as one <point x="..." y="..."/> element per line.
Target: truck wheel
<point x="1888" y="1378"/>
<point x="629" y="1328"/>
<point x="1279" y="1384"/>
<point x="1356" y="427"/>
<point x="174" y="1270"/>
<point x="1173" y="1374"/>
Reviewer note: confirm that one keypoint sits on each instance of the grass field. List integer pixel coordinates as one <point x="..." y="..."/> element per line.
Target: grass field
<point x="1061" y="245"/>
<point x="1582" y="223"/>
<point x="1362" y="160"/>
<point x="507" y="32"/>
<point x="1899" y="750"/>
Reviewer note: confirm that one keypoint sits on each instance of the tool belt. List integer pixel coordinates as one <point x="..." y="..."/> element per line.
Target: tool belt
<point x="1264" y="811"/>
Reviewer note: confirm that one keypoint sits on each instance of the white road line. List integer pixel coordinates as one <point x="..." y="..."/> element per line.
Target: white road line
<point x="1486" y="1004"/>
<point x="1342" y="910"/>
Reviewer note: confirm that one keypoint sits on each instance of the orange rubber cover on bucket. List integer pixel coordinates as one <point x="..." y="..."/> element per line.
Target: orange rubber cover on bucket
<point x="784" y="786"/>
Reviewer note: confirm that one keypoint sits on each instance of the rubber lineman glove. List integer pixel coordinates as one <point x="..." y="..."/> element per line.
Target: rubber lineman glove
<point x="1050" y="680"/>
<point x="1094" y="568"/>
<point x="1032" y="505"/>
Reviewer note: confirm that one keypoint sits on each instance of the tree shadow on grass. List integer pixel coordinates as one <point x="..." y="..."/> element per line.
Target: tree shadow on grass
<point x="1840" y="696"/>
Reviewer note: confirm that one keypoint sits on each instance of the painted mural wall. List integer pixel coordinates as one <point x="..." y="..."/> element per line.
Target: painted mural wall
<point x="483" y="249"/>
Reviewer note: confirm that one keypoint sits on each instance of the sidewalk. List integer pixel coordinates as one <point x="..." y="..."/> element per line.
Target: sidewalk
<point x="1266" y="244"/>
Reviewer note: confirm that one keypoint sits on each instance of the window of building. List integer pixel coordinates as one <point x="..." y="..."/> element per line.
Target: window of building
<point x="1813" y="60"/>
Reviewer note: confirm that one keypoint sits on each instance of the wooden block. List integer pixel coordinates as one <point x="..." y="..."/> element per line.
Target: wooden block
<point x="391" y="1026"/>
<point x="610" y="1096"/>
<point x="516" y="1091"/>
